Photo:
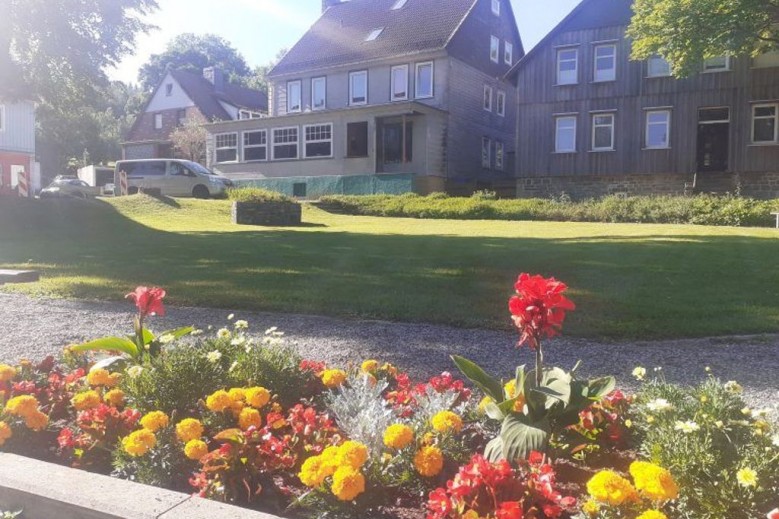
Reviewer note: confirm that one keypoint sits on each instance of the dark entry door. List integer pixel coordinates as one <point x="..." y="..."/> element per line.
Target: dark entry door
<point x="713" y="139"/>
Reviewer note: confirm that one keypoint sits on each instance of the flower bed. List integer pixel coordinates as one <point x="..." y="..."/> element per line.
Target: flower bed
<point x="247" y="421"/>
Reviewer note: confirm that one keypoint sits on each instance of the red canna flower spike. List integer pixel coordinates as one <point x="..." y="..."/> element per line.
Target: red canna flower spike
<point x="148" y="301"/>
<point x="539" y="307"/>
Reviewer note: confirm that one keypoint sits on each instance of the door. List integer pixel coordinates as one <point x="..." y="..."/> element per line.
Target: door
<point x="713" y="139"/>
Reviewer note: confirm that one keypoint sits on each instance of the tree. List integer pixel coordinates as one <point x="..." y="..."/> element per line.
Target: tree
<point x="685" y="32"/>
<point x="194" y="53"/>
<point x="189" y="140"/>
<point x="259" y="77"/>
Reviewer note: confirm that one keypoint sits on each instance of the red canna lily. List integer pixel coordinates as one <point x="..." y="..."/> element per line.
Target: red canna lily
<point x="539" y="307"/>
<point x="148" y="300"/>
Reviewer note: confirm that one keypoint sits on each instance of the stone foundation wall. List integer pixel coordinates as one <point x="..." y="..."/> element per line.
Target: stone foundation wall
<point x="267" y="213"/>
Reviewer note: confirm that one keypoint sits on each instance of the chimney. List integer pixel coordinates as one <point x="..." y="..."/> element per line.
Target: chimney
<point x="215" y="76"/>
<point x="327" y="4"/>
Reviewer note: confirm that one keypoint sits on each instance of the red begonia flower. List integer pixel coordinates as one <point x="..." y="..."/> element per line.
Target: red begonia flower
<point x="509" y="510"/>
<point x="148" y="300"/>
<point x="539" y="307"/>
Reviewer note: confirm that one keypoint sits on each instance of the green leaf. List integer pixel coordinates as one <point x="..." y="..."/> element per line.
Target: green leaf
<point x="520" y="436"/>
<point x="118" y="363"/>
<point x="109" y="344"/>
<point x="494" y="450"/>
<point x="148" y="336"/>
<point x="494" y="411"/>
<point x="478" y="376"/>
<point x="600" y="387"/>
<point x="550" y="393"/>
<point x="178" y="333"/>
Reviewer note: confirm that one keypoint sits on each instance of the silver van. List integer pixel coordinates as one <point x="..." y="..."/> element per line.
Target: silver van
<point x="172" y="177"/>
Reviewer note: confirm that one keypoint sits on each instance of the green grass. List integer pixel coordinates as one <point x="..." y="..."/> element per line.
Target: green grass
<point x="629" y="281"/>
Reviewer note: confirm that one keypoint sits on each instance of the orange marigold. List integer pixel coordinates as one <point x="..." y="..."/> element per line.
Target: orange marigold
<point x="195" y="449"/>
<point x="249" y="417"/>
<point x="189" y="429"/>
<point x="257" y="397"/>
<point x="5" y="432"/>
<point x="36" y="421"/>
<point x="348" y="484"/>
<point x="101" y="377"/>
<point x="154" y="421"/>
<point x="7" y="372"/>
<point x="609" y="487"/>
<point x="429" y="461"/>
<point x="333" y="378"/>
<point x="114" y="398"/>
<point x="86" y="400"/>
<point x="219" y="401"/>
<point x="446" y="421"/>
<point x="139" y="443"/>
<point x="22" y="405"/>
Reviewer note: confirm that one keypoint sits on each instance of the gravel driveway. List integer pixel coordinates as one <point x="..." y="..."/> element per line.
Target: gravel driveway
<point x="32" y="328"/>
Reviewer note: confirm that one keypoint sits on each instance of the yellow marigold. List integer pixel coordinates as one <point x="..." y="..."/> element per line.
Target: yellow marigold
<point x="653" y="481"/>
<point x="484" y="402"/>
<point x="446" y="421"/>
<point x="257" y="397"/>
<point x="398" y="436"/>
<point x="139" y="443"/>
<point x="36" y="421"/>
<point x="22" y="405"/>
<point x="389" y="368"/>
<point x="591" y="508"/>
<point x="115" y="397"/>
<point x="5" y="432"/>
<point x="510" y="389"/>
<point x="313" y="472"/>
<point x="609" y="487"/>
<point x="195" y="449"/>
<point x="652" y="514"/>
<point x="189" y="429"/>
<point x="7" y="372"/>
<point x="353" y="454"/>
<point x="370" y="366"/>
<point x="101" y="377"/>
<point x="333" y="378"/>
<point x="249" y="417"/>
<point x="237" y="394"/>
<point x="155" y="421"/>
<point x="348" y="484"/>
<point x="86" y="400"/>
<point x="331" y="458"/>
<point x="219" y="401"/>
<point x="429" y="461"/>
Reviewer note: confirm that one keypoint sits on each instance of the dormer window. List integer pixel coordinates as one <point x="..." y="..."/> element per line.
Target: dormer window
<point x="169" y="89"/>
<point x="496" y="7"/>
<point x="399" y="5"/>
<point x="375" y="33"/>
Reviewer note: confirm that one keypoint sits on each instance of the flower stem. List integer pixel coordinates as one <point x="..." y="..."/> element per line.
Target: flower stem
<point x="539" y="362"/>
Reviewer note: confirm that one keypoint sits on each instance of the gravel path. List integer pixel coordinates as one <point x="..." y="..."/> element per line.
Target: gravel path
<point x="33" y="328"/>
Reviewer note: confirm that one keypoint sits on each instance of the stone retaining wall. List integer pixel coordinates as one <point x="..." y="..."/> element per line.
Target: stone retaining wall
<point x="267" y="213"/>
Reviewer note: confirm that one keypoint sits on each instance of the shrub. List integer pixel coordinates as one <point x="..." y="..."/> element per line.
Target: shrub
<point x="256" y="195"/>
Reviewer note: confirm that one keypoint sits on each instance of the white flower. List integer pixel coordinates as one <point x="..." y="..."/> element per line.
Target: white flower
<point x="659" y="405"/>
<point x="195" y="333"/>
<point x="720" y="424"/>
<point x="223" y="333"/>
<point x="241" y="325"/>
<point x="639" y="373"/>
<point x="238" y="341"/>
<point x="658" y="368"/>
<point x="214" y="356"/>
<point x="271" y="330"/>
<point x="733" y="387"/>
<point x="686" y="427"/>
<point x="775" y="440"/>
<point x="762" y="413"/>
<point x="134" y="371"/>
<point x="233" y="366"/>
<point x="746" y="411"/>
<point x="231" y="317"/>
<point x="167" y="339"/>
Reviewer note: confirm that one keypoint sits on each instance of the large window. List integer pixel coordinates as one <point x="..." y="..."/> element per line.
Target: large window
<point x="499" y="152"/>
<point x="508" y="53"/>
<point x="399" y="83"/>
<point x="424" y="80"/>
<point x="157" y="121"/>
<point x="602" y="132"/>
<point x="358" y="88"/>
<point x="718" y="64"/>
<point x="255" y="146"/>
<point x="494" y="49"/>
<point x="605" y="63"/>
<point x="285" y="143"/>
<point x="294" y="96"/>
<point x="496" y="7"/>
<point x="658" y="129"/>
<point x="567" y="66"/>
<point x="318" y="140"/>
<point x="357" y="139"/>
<point x="565" y="134"/>
<point x="396" y="149"/>
<point x="319" y="93"/>
<point x="657" y="66"/>
<point x="501" y="103"/>
<point x="181" y="117"/>
<point x="487" y="102"/>
<point x="486" y="152"/>
<point x="765" y="124"/>
<point x="226" y="147"/>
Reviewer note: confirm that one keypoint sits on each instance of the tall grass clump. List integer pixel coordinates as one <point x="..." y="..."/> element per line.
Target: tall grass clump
<point x="256" y="195"/>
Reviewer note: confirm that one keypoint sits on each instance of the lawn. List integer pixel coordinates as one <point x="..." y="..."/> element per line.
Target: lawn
<point x="629" y="281"/>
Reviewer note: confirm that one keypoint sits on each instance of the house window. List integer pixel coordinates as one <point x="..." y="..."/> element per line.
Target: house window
<point x="565" y="134"/>
<point x="399" y="5"/>
<point x="158" y="121"/>
<point x="169" y="89"/>
<point x="765" y="124"/>
<point x="496" y="7"/>
<point x="424" y="80"/>
<point x="494" y="49"/>
<point x="602" y="132"/>
<point x="318" y="140"/>
<point x="657" y="66"/>
<point x="255" y="146"/>
<point x="499" y="155"/>
<point x="319" y="93"/>
<point x="501" y="103"/>
<point x="567" y="66"/>
<point x="487" y="105"/>
<point x="248" y="114"/>
<point x="181" y="116"/>
<point x="358" y="87"/>
<point x="717" y="64"/>
<point x="294" y="96"/>
<point x="605" y="63"/>
<point x="227" y="147"/>
<point x="508" y="53"/>
<point x="396" y="150"/>
<point x="399" y="86"/>
<point x="299" y="189"/>
<point x="375" y="33"/>
<point x="486" y="158"/>
<point x="285" y="143"/>
<point x="767" y="60"/>
<point x="357" y="140"/>
<point x="658" y="129"/>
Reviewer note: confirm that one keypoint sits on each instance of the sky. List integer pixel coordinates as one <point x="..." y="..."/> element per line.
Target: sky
<point x="258" y="29"/>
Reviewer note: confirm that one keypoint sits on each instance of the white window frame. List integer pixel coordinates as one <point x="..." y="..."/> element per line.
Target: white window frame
<point x="217" y="147"/>
<point x="314" y="81"/>
<point x="393" y="70"/>
<point x="299" y="84"/>
<point x="273" y="143"/>
<point x="486" y="103"/>
<point x="496" y="7"/>
<point x="559" y="61"/>
<point x="611" y="115"/>
<point x="708" y="70"/>
<point x="612" y="72"/>
<point x="508" y="52"/>
<point x="306" y="141"/>
<point x="486" y="162"/>
<point x="417" y="93"/>
<point x="500" y="103"/>
<point x="500" y="155"/>
<point x="253" y="146"/>
<point x="661" y="59"/>
<point x="375" y="33"/>
<point x="352" y="77"/>
<point x="557" y="129"/>
<point x="158" y="121"/>
<point x="2" y="118"/>
<point x="494" y="49"/>
<point x="667" y="123"/>
<point x="775" y="117"/>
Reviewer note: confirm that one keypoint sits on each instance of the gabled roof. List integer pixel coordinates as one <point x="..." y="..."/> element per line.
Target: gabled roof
<point x="338" y="37"/>
<point x="206" y="98"/>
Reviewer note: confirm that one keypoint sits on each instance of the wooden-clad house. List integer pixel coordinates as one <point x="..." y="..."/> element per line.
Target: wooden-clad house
<point x="590" y="121"/>
<point x="17" y="144"/>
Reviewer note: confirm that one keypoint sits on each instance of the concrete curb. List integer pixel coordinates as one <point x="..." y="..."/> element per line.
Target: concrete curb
<point x="44" y="491"/>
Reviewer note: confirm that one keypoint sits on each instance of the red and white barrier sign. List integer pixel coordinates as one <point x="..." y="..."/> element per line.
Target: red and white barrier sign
<point x="123" y="186"/>
<point x="24" y="184"/>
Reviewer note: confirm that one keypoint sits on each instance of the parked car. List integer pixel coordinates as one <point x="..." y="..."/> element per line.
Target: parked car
<point x="171" y="177"/>
<point x="69" y="187"/>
